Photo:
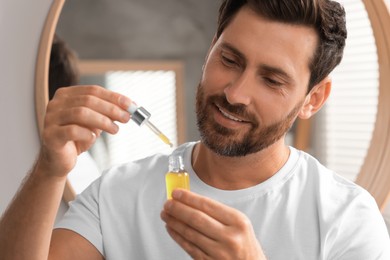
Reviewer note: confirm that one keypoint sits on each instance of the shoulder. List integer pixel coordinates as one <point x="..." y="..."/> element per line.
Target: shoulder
<point x="332" y="195"/>
<point x="312" y="172"/>
<point x="347" y="214"/>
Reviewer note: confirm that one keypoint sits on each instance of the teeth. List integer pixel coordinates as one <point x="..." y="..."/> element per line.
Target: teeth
<point x="229" y="116"/>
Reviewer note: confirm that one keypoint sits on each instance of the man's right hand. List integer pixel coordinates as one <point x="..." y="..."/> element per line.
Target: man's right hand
<point x="74" y="119"/>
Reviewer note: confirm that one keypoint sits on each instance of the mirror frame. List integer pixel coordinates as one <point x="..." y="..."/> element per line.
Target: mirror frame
<point x="374" y="175"/>
<point x="42" y="76"/>
<point x="377" y="160"/>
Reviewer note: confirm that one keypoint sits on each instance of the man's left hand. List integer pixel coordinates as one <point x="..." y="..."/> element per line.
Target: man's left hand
<point x="207" y="229"/>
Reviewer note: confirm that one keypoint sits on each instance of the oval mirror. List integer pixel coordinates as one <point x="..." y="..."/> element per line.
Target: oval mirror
<point x="372" y="166"/>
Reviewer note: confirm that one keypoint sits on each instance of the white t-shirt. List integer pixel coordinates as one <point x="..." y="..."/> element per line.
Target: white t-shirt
<point x="304" y="211"/>
<point x="84" y="172"/>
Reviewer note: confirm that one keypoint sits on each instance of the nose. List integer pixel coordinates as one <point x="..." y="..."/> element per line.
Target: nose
<point x="238" y="91"/>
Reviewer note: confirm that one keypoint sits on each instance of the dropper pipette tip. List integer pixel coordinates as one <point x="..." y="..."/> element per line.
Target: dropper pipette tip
<point x="159" y="133"/>
<point x="141" y="116"/>
<point x="165" y="139"/>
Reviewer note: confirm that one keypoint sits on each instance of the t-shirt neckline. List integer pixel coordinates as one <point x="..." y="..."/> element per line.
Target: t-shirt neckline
<point x="200" y="187"/>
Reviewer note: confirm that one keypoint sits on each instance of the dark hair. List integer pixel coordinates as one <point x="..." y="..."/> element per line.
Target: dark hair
<point x="325" y="16"/>
<point x="63" y="69"/>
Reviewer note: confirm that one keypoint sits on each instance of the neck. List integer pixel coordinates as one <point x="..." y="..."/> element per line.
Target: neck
<point x="234" y="173"/>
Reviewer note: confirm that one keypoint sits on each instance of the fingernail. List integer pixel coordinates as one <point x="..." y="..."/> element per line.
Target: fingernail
<point x="116" y="127"/>
<point x="168" y="205"/>
<point x="176" y="194"/>
<point x="125" y="116"/>
<point x="124" y="101"/>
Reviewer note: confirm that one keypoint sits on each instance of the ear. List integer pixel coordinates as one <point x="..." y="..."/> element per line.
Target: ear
<point x="316" y="98"/>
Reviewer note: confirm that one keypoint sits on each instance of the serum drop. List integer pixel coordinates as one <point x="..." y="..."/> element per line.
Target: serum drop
<point x="177" y="177"/>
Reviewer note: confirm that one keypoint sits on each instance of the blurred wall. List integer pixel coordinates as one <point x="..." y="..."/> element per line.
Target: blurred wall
<point x="21" y="23"/>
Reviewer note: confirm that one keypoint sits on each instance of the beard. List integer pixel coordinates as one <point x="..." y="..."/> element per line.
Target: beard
<point x="234" y="143"/>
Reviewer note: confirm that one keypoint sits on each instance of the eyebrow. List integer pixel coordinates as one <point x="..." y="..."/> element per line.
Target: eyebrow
<point x="233" y="49"/>
<point x="277" y="71"/>
<point x="263" y="67"/>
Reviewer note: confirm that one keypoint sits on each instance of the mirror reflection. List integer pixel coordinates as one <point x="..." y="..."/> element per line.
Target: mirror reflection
<point x="348" y="118"/>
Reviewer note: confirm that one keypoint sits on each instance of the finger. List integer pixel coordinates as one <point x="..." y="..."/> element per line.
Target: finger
<point x="194" y="251"/>
<point x="191" y="234"/>
<point x="61" y="145"/>
<point x="217" y="241"/>
<point x="113" y="111"/>
<point x="58" y="136"/>
<point x="84" y="117"/>
<point x="220" y="212"/>
<point x="185" y="219"/>
<point x="106" y="102"/>
<point x="98" y="91"/>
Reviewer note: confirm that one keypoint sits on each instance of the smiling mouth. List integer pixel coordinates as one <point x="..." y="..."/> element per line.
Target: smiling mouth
<point x="229" y="115"/>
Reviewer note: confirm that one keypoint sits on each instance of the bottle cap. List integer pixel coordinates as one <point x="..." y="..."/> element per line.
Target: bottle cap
<point x="138" y="114"/>
<point x="176" y="163"/>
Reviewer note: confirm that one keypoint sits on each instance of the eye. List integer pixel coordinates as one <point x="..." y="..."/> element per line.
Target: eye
<point x="229" y="61"/>
<point x="272" y="83"/>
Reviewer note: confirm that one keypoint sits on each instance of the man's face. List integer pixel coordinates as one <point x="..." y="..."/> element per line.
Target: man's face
<point x="254" y="83"/>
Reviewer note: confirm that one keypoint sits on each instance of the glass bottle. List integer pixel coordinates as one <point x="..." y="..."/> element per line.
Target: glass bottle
<point x="176" y="177"/>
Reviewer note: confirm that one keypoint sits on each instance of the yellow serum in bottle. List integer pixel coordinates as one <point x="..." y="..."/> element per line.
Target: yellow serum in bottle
<point x="177" y="177"/>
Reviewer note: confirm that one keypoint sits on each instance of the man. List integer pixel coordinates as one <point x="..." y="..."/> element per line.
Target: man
<point x="251" y="197"/>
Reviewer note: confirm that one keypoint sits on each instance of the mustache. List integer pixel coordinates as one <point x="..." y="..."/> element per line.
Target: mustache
<point x="236" y="109"/>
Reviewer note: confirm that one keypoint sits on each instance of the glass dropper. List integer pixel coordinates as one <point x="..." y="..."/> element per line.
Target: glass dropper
<point x="141" y="117"/>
